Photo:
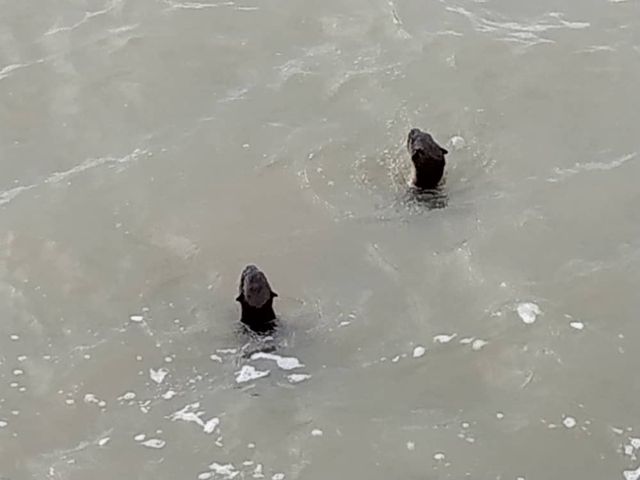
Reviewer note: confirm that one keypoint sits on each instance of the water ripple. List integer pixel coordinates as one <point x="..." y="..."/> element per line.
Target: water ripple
<point x="525" y="32"/>
<point x="9" y="69"/>
<point x="87" y="16"/>
<point x="56" y="177"/>
<point x="579" y="167"/>
<point x="200" y="6"/>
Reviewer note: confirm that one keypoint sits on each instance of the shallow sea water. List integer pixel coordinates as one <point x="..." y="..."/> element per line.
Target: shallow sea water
<point x="149" y="150"/>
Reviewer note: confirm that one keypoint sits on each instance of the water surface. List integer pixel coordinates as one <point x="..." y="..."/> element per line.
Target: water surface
<point x="149" y="150"/>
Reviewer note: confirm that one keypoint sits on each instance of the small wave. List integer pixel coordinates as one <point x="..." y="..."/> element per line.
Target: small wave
<point x="234" y="94"/>
<point x="9" y="69"/>
<point x="197" y="5"/>
<point x="124" y="29"/>
<point x="8" y="195"/>
<point x="56" y="177"/>
<point x="597" y="48"/>
<point x="526" y="33"/>
<point x="578" y="167"/>
<point x="87" y="16"/>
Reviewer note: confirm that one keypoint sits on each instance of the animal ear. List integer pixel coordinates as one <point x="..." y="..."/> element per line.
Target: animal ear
<point x="444" y="150"/>
<point x="239" y="298"/>
<point x="273" y="294"/>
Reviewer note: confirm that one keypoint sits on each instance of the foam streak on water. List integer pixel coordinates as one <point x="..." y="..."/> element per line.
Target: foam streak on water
<point x="57" y="177"/>
<point x="285" y="363"/>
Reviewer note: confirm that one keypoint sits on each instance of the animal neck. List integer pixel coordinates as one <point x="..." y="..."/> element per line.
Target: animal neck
<point x="259" y="319"/>
<point x="428" y="176"/>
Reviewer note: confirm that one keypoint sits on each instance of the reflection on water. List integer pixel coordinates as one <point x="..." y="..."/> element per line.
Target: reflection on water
<point x="429" y="199"/>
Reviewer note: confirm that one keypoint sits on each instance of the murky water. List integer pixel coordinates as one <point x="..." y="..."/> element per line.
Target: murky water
<point x="149" y="150"/>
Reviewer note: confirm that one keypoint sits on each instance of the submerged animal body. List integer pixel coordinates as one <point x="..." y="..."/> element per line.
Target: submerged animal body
<point x="427" y="157"/>
<point x="256" y="300"/>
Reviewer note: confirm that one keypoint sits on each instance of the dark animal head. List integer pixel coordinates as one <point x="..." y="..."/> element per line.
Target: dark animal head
<point x="427" y="157"/>
<point x="420" y="144"/>
<point x="254" y="287"/>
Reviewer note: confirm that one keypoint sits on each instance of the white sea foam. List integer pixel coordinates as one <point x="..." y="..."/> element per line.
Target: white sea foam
<point x="457" y="142"/>
<point x="249" y="372"/>
<point x="190" y="413"/>
<point x="528" y="312"/>
<point x="285" y="363"/>
<point x="298" y="377"/>
<point x="226" y="471"/>
<point x="478" y="344"/>
<point x="154" y="443"/>
<point x="443" y="338"/>
<point x="158" y="375"/>
<point x="632" y="474"/>
<point x="103" y="441"/>
<point x="419" y="351"/>
<point x="127" y="396"/>
<point x="169" y="394"/>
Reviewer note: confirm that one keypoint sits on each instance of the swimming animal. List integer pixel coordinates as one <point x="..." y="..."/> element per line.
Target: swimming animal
<point x="427" y="157"/>
<point x="256" y="300"/>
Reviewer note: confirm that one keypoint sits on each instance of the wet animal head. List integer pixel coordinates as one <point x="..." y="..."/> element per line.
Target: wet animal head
<point x="413" y="136"/>
<point x="427" y="157"/>
<point x="421" y="144"/>
<point x="255" y="290"/>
